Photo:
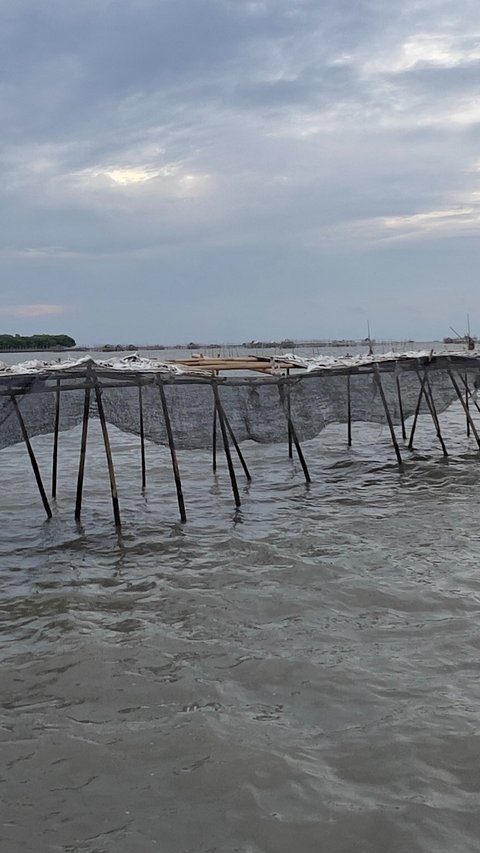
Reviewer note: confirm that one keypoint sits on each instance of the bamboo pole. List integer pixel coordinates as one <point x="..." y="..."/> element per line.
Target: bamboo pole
<point x="55" y="440"/>
<point x="289" y="407"/>
<point x="293" y="432"/>
<point x="33" y="461"/>
<point x="142" y="438"/>
<point x="349" y="412"/>
<point x="300" y="455"/>
<point x="214" y="433"/>
<point x="108" y="451"/>
<point x="433" y="412"/>
<point x="467" y="402"/>
<point x="378" y="380"/>
<point x="173" y="453"/>
<point x="417" y="411"/>
<point x="400" y="407"/>
<point x="228" y="456"/>
<point x="470" y="395"/>
<point x="214" y="440"/>
<point x="467" y="411"/>
<point x="83" y="450"/>
<point x="236" y="446"/>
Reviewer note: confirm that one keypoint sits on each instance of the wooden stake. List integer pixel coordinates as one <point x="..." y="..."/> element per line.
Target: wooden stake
<point x="470" y="395"/>
<point x="214" y="440"/>
<point x="467" y="411"/>
<point x="289" y="408"/>
<point x="417" y="411"/>
<point x="142" y="438"/>
<point x="433" y="412"/>
<point x="173" y="453"/>
<point x="293" y="433"/>
<point x="387" y="414"/>
<point x="214" y="433"/>
<point x="83" y="451"/>
<point x="228" y="456"/>
<point x="349" y="413"/>
<point x="55" y="441"/>
<point x="108" y="451"/>
<point x="236" y="446"/>
<point x="467" y="402"/>
<point x="400" y="408"/>
<point x="33" y="461"/>
<point x="290" y="440"/>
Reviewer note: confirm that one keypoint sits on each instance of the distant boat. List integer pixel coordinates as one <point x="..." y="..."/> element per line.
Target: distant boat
<point x="468" y="340"/>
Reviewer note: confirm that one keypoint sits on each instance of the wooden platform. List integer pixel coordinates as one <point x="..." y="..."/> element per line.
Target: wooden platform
<point x="256" y="363"/>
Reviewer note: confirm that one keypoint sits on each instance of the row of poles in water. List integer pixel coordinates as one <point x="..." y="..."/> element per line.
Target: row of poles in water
<point x="93" y="384"/>
<point x="425" y="393"/>
<point x="220" y="420"/>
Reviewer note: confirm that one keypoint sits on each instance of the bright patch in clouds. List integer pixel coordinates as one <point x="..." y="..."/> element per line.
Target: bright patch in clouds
<point x="125" y="176"/>
<point x="427" y="49"/>
<point x="171" y="179"/>
<point x="440" y="50"/>
<point x="37" y="310"/>
<point x="433" y="220"/>
<point x="445" y="222"/>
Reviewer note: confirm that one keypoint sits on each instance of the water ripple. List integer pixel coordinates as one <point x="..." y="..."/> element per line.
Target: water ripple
<point x="296" y="675"/>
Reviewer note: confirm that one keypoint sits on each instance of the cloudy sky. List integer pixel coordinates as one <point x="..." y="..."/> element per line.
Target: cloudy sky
<point x="235" y="169"/>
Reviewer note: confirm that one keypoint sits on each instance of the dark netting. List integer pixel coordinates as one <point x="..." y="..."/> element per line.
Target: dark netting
<point x="256" y="408"/>
<point x="321" y="400"/>
<point x="37" y="405"/>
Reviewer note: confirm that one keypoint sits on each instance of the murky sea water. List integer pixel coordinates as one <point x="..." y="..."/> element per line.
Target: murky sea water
<point x="300" y="675"/>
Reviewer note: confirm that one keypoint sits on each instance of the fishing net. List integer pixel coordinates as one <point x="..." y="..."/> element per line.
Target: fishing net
<point x="256" y="407"/>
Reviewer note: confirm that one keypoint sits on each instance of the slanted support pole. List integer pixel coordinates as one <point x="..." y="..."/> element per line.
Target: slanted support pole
<point x="108" y="451"/>
<point x="173" y="452"/>
<point x="83" y="451"/>
<point x="214" y="432"/>
<point x="142" y="438"/>
<point x="427" y="391"/>
<point x="469" y="393"/>
<point x="228" y="455"/>
<point x="387" y="414"/>
<point x="33" y="461"/>
<point x="467" y="411"/>
<point x="417" y="411"/>
<point x="349" y="412"/>
<point x="293" y="433"/>
<point x="214" y="440"/>
<point x="237" y="448"/>
<point x="400" y="407"/>
<point x="467" y="401"/>
<point x="289" y="408"/>
<point x="55" y="441"/>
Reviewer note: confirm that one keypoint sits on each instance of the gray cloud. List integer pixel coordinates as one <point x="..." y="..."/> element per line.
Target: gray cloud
<point x="162" y="155"/>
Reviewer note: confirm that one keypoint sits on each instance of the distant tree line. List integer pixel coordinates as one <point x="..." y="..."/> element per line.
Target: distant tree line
<point x="36" y="342"/>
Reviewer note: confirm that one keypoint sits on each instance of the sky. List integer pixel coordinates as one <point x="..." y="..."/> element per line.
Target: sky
<point x="229" y="170"/>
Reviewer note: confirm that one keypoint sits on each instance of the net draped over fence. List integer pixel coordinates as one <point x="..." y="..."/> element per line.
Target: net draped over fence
<point x="256" y="406"/>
